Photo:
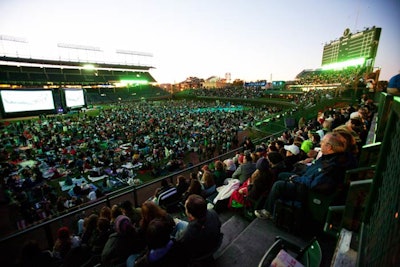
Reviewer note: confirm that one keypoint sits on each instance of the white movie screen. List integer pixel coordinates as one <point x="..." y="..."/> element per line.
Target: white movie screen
<point x="22" y="100"/>
<point x="74" y="98"/>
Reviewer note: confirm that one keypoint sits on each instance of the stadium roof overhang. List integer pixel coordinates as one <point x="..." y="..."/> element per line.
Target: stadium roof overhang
<point x="72" y="64"/>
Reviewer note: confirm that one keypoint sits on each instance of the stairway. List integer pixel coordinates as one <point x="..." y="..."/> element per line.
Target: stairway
<point x="245" y="243"/>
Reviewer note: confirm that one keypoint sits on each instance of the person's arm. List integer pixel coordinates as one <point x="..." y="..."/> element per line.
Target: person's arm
<point x="237" y="173"/>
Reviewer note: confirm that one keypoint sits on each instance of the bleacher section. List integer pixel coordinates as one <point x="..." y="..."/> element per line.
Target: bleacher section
<point x="33" y="72"/>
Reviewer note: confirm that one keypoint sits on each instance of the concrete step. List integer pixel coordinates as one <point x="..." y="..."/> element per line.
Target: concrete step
<point x="250" y="244"/>
<point x="231" y="229"/>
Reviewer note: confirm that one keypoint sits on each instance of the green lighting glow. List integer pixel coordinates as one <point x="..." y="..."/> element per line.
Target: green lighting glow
<point x="88" y="67"/>
<point x="344" y="64"/>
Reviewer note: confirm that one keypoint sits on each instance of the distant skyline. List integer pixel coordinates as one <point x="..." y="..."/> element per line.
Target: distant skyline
<point x="251" y="40"/>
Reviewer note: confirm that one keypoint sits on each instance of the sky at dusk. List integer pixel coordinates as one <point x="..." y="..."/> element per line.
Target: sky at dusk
<point x="251" y="39"/>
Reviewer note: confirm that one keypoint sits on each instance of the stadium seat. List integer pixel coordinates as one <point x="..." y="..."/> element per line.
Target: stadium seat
<point x="309" y="255"/>
<point x="169" y="200"/>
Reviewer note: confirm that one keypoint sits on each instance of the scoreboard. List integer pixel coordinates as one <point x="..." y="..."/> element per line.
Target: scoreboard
<point x="350" y="46"/>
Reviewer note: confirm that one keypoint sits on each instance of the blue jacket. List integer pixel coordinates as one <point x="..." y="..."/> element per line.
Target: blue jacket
<point x="327" y="172"/>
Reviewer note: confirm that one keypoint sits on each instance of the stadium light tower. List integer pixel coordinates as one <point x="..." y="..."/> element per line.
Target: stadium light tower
<point x="78" y="48"/>
<point x="133" y="53"/>
<point x="14" y="42"/>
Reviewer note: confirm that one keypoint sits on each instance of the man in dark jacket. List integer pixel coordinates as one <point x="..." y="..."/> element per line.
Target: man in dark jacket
<point x="203" y="233"/>
<point x="245" y="170"/>
<point x="324" y="176"/>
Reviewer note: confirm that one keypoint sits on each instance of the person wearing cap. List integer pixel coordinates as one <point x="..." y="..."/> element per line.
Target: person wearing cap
<point x="394" y="85"/>
<point x="292" y="156"/>
<point x="324" y="176"/>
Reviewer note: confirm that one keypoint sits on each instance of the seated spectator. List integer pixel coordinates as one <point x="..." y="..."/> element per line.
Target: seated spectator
<point x="245" y="169"/>
<point x="162" y="250"/>
<point x="230" y="167"/>
<point x="165" y="186"/>
<point x="89" y="226"/>
<point x="276" y="163"/>
<point x="354" y="127"/>
<point x="100" y="235"/>
<point x="208" y="184"/>
<point x="194" y="188"/>
<point x="123" y="242"/>
<point x="351" y="142"/>
<point x="150" y="211"/>
<point x="131" y="212"/>
<point x="33" y="255"/>
<point x="324" y="176"/>
<point x="64" y="243"/>
<point x="292" y="156"/>
<point x="203" y="233"/>
<point x="219" y="173"/>
<point x="115" y="212"/>
<point x="182" y="184"/>
<point x="259" y="183"/>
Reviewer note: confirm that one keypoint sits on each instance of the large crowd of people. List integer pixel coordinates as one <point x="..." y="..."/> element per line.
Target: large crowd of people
<point x="147" y="133"/>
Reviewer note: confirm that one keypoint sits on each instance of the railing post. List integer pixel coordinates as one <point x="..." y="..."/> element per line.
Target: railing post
<point x="108" y="203"/>
<point x="135" y="198"/>
<point x="49" y="236"/>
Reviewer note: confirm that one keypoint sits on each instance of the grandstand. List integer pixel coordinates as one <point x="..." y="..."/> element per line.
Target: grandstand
<point x="102" y="83"/>
<point x="346" y="62"/>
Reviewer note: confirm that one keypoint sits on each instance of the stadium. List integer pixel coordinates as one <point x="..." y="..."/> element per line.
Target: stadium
<point x="78" y="136"/>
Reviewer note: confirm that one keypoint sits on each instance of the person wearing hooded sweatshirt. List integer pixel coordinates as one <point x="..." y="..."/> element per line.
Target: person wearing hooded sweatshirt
<point x="122" y="243"/>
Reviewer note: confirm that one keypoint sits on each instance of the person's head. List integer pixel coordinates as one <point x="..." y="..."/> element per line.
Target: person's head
<point x="149" y="211"/>
<point x="193" y="176"/>
<point x="327" y="124"/>
<point x="292" y="150"/>
<point x="393" y="87"/>
<point x="115" y="211"/>
<point x="274" y="158"/>
<point x="247" y="158"/>
<point x="219" y="166"/>
<point x="207" y="179"/>
<point x="90" y="222"/>
<point x="279" y="144"/>
<point x="180" y="179"/>
<point x="333" y="143"/>
<point x="126" y="207"/>
<point x="164" y="183"/>
<point x="122" y="224"/>
<point x="63" y="233"/>
<point x="195" y="207"/>
<point x="158" y="233"/>
<point x="355" y="124"/>
<point x="105" y="212"/>
<point x="262" y="165"/>
<point x="103" y="224"/>
<point x="194" y="187"/>
<point x="229" y="165"/>
<point x="351" y="143"/>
